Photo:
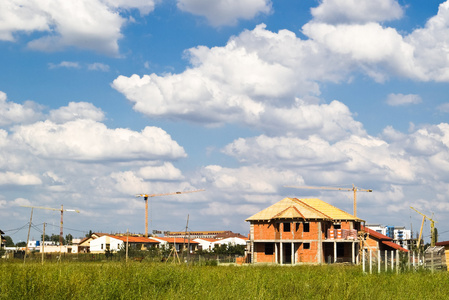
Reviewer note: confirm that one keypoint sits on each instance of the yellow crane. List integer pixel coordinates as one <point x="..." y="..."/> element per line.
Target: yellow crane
<point x="146" y="196"/>
<point x="432" y="228"/>
<point x="354" y="189"/>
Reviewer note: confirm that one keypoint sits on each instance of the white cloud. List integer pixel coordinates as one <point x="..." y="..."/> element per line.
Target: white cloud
<point x="14" y="113"/>
<point x="86" y="24"/>
<point x="248" y="182"/>
<point x="444" y="107"/>
<point x="357" y="11"/>
<point x="76" y="110"/>
<point x="17" y="17"/>
<point x="225" y="12"/>
<point x="98" y="67"/>
<point x="65" y="64"/>
<point x="87" y="140"/>
<point x="166" y="171"/>
<point x="12" y="178"/>
<point x="401" y="99"/>
<point x="431" y="45"/>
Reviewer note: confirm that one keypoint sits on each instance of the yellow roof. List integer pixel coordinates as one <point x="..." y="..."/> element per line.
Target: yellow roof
<point x="307" y="209"/>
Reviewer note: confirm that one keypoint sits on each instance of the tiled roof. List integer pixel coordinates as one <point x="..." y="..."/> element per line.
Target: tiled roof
<point x="307" y="209"/>
<point x="444" y="243"/>
<point x="394" y="246"/>
<point x="135" y="239"/>
<point x="175" y="240"/>
<point x="207" y="240"/>
<point x="376" y="234"/>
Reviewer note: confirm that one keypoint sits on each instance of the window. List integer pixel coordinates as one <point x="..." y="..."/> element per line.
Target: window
<point x="306" y="227"/>
<point x="306" y="246"/>
<point x="286" y="227"/>
<point x="101" y="246"/>
<point x="269" y="248"/>
<point x="297" y="226"/>
<point x="337" y="226"/>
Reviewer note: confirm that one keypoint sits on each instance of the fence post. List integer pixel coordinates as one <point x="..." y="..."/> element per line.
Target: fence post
<point x="386" y="260"/>
<point x="431" y="259"/>
<point x="363" y="260"/>
<point x="392" y="260"/>
<point x="379" y="261"/>
<point x="397" y="261"/>
<point x="370" y="261"/>
<point x="408" y="260"/>
<point x="414" y="265"/>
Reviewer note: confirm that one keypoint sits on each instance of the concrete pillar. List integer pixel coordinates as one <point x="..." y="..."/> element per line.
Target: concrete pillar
<point x="386" y="260"/>
<point x="281" y="252"/>
<point x="335" y="252"/>
<point x="370" y="261"/>
<point x="293" y="253"/>
<point x="252" y="252"/>
<point x="276" y="252"/>
<point x="353" y="253"/>
<point x="320" y="244"/>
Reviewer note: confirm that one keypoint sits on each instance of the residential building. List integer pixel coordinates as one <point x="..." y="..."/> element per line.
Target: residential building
<point x="205" y="244"/>
<point x="209" y="244"/>
<point x="445" y="244"/>
<point x="199" y="234"/>
<point x="399" y="235"/>
<point x="115" y="243"/>
<point x="294" y="231"/>
<point x="177" y="243"/>
<point x="375" y="241"/>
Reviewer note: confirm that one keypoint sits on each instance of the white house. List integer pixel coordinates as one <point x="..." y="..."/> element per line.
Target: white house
<point x="115" y="243"/>
<point x="232" y="241"/>
<point x="175" y="242"/>
<point x="206" y="244"/>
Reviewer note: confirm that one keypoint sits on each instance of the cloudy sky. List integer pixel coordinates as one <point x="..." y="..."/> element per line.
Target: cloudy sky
<point x="101" y="100"/>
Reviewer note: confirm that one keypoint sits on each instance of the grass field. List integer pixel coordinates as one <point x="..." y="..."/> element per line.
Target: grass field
<point x="118" y="280"/>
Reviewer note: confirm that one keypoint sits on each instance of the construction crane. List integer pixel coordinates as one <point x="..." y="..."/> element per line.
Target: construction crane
<point x="55" y="209"/>
<point x="146" y="196"/>
<point x="432" y="228"/>
<point x="354" y="189"/>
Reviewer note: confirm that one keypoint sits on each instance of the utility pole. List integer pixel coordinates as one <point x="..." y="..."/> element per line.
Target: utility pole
<point x="55" y="209"/>
<point x="43" y="244"/>
<point x="28" y="237"/>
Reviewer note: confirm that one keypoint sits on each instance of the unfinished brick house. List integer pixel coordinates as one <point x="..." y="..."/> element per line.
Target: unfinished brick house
<point x="294" y="231"/>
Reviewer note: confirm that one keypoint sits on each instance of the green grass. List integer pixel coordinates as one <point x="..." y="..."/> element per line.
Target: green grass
<point x="117" y="280"/>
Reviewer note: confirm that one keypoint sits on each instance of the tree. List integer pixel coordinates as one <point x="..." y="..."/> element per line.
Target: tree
<point x="68" y="239"/>
<point x="47" y="237"/>
<point x="21" y="244"/>
<point x="55" y="238"/>
<point x="8" y="241"/>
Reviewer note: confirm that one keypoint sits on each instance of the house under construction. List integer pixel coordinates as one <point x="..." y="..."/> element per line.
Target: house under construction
<point x="294" y="231"/>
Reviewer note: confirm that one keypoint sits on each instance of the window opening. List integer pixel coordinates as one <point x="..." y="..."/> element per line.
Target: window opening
<point x="306" y="227"/>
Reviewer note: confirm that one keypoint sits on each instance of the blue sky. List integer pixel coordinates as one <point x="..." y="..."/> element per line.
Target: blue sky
<point x="104" y="99"/>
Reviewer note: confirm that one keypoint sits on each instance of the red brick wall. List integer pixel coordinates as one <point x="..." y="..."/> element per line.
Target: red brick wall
<point x="260" y="256"/>
<point x="264" y="231"/>
<point x="307" y="255"/>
